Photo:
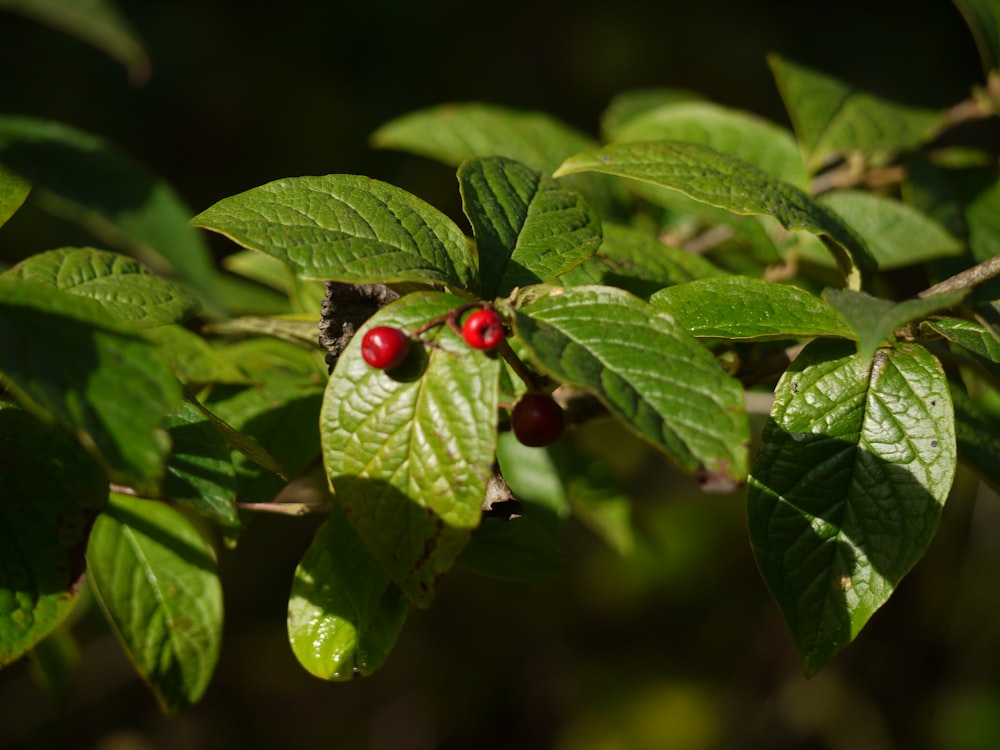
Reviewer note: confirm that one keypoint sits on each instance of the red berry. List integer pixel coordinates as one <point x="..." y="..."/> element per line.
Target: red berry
<point x="483" y="329"/>
<point x="537" y="420"/>
<point x="384" y="348"/>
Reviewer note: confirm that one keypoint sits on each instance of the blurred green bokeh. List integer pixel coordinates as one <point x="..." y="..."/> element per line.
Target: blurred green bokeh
<point x="677" y="645"/>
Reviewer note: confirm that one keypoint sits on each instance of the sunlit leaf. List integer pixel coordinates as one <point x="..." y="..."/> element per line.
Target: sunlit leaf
<point x="409" y="452"/>
<point x="344" y="613"/>
<point x="529" y="228"/>
<point x="127" y="290"/>
<point x="346" y="228"/>
<point x="156" y="580"/>
<point x="846" y="493"/>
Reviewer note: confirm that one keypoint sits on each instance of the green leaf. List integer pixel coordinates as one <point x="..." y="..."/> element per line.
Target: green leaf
<point x="127" y="290"/>
<point x="409" y="452"/>
<point x="454" y="133"/>
<point x="846" y="493"/>
<point x="279" y="414"/>
<point x="972" y="338"/>
<point x="740" y="307"/>
<point x="628" y="105"/>
<point x="238" y="440"/>
<point x="344" y="614"/>
<point x="66" y="362"/>
<point x="896" y="234"/>
<point x="635" y="261"/>
<point x="346" y="228"/>
<point x="305" y="296"/>
<point x="832" y="118"/>
<point x="156" y="580"/>
<point x="95" y="21"/>
<point x="13" y="192"/>
<point x="517" y="550"/>
<point x="84" y="179"/>
<point x="767" y="146"/>
<point x="719" y="180"/>
<point x="983" y="18"/>
<point x="529" y="228"/>
<point x="194" y="360"/>
<point x="648" y="371"/>
<point x="50" y="493"/>
<point x="977" y="431"/>
<point x="200" y="471"/>
<point x="875" y="319"/>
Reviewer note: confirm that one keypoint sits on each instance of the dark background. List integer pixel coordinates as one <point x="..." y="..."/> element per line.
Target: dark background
<point x="679" y="647"/>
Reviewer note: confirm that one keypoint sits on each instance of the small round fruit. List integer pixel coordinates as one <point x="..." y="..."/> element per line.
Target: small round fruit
<point x="384" y="348"/>
<point x="483" y="329"/>
<point x="537" y="420"/>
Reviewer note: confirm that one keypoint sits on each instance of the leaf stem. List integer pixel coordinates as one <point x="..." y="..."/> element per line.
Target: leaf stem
<point x="287" y="509"/>
<point x="510" y="356"/>
<point x="967" y="279"/>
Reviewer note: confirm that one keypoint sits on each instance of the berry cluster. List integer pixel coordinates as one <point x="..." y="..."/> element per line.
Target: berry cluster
<point x="536" y="419"/>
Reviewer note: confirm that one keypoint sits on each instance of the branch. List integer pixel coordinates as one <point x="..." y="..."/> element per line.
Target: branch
<point x="967" y="279"/>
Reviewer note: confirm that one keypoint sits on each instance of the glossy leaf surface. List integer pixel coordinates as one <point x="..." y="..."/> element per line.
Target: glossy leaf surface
<point x="846" y="493"/>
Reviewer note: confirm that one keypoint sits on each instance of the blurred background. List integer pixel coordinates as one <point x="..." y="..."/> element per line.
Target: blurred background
<point x="676" y="646"/>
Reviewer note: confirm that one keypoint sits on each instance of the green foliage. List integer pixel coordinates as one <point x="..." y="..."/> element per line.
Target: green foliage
<point x="697" y="259"/>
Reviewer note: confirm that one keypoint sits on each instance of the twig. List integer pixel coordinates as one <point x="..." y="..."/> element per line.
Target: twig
<point x="287" y="509"/>
<point x="967" y="279"/>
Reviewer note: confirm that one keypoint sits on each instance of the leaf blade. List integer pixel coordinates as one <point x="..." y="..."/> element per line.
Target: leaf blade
<point x="647" y="370"/>
<point x="529" y="228"/>
<point x="50" y="493"/>
<point x="723" y="181"/>
<point x="345" y="228"/>
<point x="845" y="496"/>
<point x="155" y="578"/>
<point x="409" y="456"/>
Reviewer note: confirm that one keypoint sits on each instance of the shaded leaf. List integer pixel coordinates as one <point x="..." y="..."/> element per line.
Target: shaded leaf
<point x="627" y="105"/>
<point x="746" y="136"/>
<point x="740" y="307"/>
<point x="192" y="358"/>
<point x="95" y="21"/>
<point x="896" y="234"/>
<point x="68" y="363"/>
<point x="875" y="319"/>
<point x="86" y="180"/>
<point x="409" y="452"/>
<point x="346" y="228"/>
<point x="274" y="428"/>
<point x="200" y="471"/>
<point x="983" y="18"/>
<point x="846" y="493"/>
<point x="50" y="493"/>
<point x="344" y="614"/>
<point x="632" y="260"/>
<point x="528" y="227"/>
<point x="127" y="290"/>
<point x="516" y="550"/>
<point x="454" y="133"/>
<point x="832" y="118"/>
<point x="156" y="580"/>
<point x="647" y="370"/>
<point x="719" y="180"/>
<point x="13" y="192"/>
<point x="977" y="431"/>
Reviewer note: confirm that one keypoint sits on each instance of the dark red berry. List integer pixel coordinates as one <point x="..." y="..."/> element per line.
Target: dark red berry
<point x="384" y="348"/>
<point x="537" y="420"/>
<point x="483" y="329"/>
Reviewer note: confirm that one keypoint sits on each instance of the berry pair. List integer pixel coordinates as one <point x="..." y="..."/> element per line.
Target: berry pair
<point x="384" y="347"/>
